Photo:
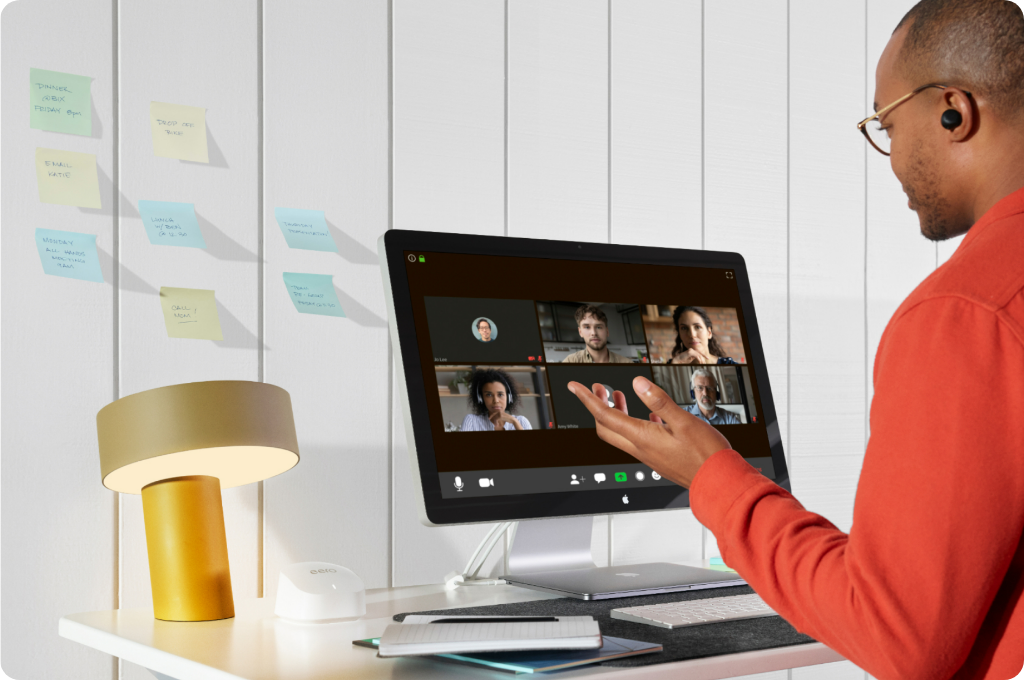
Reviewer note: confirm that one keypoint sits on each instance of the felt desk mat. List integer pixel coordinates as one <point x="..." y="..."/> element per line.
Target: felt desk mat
<point x="691" y="642"/>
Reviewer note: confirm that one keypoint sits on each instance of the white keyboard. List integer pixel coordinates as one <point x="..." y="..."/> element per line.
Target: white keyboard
<point x="696" y="612"/>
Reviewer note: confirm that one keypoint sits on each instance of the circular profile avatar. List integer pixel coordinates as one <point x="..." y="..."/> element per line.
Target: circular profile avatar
<point x="484" y="329"/>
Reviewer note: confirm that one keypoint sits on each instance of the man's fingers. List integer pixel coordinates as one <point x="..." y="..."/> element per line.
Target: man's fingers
<point x="657" y="400"/>
<point x="655" y="418"/>
<point x="620" y="401"/>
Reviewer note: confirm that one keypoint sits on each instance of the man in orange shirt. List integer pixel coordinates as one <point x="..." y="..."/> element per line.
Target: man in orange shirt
<point x="929" y="581"/>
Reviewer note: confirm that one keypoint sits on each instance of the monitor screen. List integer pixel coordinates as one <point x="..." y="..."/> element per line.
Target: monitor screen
<point x="492" y="341"/>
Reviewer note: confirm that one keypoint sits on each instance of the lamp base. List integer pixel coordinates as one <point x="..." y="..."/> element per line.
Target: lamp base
<point x="188" y="549"/>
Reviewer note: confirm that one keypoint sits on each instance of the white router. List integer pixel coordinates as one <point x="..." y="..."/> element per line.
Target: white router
<point x="319" y="592"/>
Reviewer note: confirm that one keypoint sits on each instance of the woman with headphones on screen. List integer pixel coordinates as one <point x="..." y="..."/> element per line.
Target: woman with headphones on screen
<point x="695" y="341"/>
<point x="492" y="395"/>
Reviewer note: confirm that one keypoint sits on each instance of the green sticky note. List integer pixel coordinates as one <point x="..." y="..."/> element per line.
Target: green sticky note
<point x="60" y="102"/>
<point x="69" y="254"/>
<point x="67" y="178"/>
<point x="190" y="313"/>
<point x="313" y="294"/>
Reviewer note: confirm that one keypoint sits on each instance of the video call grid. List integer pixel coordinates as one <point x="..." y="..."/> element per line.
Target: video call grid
<point x="489" y="329"/>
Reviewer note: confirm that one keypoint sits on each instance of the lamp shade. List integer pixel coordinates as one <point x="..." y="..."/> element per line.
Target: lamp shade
<point x="237" y="431"/>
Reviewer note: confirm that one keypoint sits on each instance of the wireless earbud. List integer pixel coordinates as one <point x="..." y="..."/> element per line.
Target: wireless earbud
<point x="951" y="119"/>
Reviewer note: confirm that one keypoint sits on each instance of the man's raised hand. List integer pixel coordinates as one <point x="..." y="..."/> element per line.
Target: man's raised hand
<point x="673" y="442"/>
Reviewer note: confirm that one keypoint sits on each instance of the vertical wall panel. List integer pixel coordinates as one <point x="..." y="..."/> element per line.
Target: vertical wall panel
<point x="325" y="103"/>
<point x="59" y="530"/>
<point x="449" y="175"/>
<point x="745" y="171"/>
<point x="656" y="190"/>
<point x="898" y="256"/>
<point x="558" y="120"/>
<point x="198" y="54"/>
<point x="827" y="346"/>
<point x="656" y="122"/>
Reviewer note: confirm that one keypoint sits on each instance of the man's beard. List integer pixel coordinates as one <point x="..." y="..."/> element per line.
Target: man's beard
<point x="590" y="343"/>
<point x="933" y="209"/>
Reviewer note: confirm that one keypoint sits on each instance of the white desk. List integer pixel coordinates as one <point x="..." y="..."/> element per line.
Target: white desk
<point x="256" y="645"/>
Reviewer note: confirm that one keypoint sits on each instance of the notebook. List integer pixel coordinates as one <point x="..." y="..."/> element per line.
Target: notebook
<point x="423" y="635"/>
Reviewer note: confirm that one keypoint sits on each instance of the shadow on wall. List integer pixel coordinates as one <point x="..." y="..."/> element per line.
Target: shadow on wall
<point x="213" y="151"/>
<point x="351" y="249"/>
<point x="358" y="312"/>
<point x="106" y="191"/>
<point x="222" y="246"/>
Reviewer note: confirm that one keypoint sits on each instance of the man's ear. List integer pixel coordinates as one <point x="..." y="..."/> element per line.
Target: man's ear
<point x="955" y="99"/>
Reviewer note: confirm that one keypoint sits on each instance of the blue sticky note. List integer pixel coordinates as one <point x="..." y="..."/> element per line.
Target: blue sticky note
<point x="69" y="254"/>
<point x="171" y="224"/>
<point x="313" y="294"/>
<point x="306" y="229"/>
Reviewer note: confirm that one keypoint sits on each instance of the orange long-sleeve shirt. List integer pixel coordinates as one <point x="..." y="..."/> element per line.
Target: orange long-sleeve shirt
<point x="929" y="581"/>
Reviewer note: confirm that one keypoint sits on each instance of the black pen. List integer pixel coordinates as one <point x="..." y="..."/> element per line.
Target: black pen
<point x="492" y="619"/>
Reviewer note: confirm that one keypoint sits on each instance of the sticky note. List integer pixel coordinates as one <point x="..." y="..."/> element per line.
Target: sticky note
<point x="171" y="224"/>
<point x="313" y="293"/>
<point x="70" y="254"/>
<point x="60" y="102"/>
<point x="67" y="178"/>
<point x="179" y="131"/>
<point x="190" y="313"/>
<point x="306" y="229"/>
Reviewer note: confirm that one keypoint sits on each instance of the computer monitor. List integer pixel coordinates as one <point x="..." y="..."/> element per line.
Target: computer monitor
<point x="488" y="332"/>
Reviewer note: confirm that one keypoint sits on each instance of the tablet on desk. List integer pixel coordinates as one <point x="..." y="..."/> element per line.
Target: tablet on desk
<point x="543" y="660"/>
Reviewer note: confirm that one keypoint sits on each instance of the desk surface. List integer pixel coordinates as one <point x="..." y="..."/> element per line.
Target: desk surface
<point x="256" y="645"/>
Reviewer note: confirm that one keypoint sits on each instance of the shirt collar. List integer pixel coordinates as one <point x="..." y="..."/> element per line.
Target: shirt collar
<point x="1010" y="205"/>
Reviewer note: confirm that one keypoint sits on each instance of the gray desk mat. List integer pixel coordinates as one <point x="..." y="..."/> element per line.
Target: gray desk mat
<point x="692" y="642"/>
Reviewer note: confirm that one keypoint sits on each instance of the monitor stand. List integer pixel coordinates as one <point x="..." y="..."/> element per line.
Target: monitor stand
<point x="553" y="555"/>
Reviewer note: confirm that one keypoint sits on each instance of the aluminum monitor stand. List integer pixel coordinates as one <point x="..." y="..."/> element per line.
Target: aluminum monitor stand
<point x="553" y="555"/>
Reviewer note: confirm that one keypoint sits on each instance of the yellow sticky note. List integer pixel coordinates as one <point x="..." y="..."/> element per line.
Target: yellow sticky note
<point x="190" y="313"/>
<point x="67" y="178"/>
<point x="179" y="131"/>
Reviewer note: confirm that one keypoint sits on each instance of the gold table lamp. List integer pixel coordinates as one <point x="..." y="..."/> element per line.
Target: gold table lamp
<point x="178" y="446"/>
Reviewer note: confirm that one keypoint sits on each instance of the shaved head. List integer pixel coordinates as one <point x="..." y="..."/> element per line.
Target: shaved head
<point x="976" y="45"/>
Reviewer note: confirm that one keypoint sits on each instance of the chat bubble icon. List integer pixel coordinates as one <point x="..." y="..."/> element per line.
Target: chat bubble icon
<point x="599" y="477"/>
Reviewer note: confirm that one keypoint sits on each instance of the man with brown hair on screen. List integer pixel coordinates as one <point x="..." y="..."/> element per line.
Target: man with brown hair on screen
<point x="592" y="324"/>
<point x="929" y="581"/>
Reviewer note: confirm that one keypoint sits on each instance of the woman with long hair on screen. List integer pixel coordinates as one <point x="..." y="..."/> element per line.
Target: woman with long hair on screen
<point x="695" y="339"/>
<point x="493" y="397"/>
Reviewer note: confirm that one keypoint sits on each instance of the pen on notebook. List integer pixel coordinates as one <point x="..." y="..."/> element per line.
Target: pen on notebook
<point x="492" y="619"/>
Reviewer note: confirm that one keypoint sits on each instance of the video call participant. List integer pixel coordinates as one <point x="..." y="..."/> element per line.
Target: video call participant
<point x="704" y="388"/>
<point x="483" y="327"/>
<point x="592" y="325"/>
<point x="695" y="339"/>
<point x="492" y="396"/>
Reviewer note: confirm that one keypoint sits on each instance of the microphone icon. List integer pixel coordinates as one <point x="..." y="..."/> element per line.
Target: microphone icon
<point x="458" y="483"/>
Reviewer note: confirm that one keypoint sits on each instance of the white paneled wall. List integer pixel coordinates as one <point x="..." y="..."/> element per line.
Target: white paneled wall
<point x="681" y="123"/>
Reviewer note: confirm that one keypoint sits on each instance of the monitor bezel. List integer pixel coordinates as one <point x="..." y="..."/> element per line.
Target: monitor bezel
<point x="438" y="511"/>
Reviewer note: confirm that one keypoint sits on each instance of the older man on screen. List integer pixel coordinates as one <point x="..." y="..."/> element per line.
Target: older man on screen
<point x="704" y="389"/>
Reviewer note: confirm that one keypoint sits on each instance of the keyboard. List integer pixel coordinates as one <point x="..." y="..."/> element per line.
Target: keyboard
<point x="696" y="612"/>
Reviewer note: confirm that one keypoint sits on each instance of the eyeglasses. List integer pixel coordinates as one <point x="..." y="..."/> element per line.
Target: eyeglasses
<point x="876" y="134"/>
